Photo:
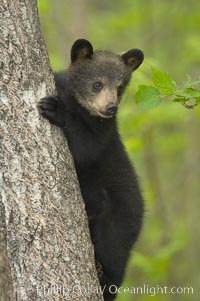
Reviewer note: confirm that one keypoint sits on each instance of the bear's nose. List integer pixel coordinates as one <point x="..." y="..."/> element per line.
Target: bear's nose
<point x="111" y="108"/>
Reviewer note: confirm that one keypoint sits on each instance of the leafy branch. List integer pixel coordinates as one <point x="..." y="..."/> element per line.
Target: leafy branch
<point x="163" y="86"/>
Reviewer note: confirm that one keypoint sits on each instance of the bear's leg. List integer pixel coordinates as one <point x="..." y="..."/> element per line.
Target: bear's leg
<point x="113" y="236"/>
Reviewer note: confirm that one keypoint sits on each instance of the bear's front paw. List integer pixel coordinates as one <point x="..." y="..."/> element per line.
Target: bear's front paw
<point x="50" y="108"/>
<point x="48" y="105"/>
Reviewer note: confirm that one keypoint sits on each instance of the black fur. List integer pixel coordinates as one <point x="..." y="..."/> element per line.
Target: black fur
<point x="107" y="179"/>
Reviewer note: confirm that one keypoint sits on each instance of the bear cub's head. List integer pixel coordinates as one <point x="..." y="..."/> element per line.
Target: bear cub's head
<point x="99" y="78"/>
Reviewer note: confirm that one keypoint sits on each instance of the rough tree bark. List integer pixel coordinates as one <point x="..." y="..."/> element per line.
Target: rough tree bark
<point x="46" y="252"/>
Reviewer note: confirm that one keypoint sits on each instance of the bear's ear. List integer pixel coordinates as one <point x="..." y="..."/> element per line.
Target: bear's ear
<point x="133" y="58"/>
<point x="81" y="50"/>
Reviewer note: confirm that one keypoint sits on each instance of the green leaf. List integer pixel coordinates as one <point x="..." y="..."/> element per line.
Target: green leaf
<point x="163" y="82"/>
<point x="179" y="99"/>
<point x="182" y="94"/>
<point x="148" y="97"/>
<point x="190" y="83"/>
<point x="193" y="92"/>
<point x="188" y="93"/>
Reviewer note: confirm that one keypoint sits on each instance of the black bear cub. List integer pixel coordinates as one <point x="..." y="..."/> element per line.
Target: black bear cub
<point x="88" y="95"/>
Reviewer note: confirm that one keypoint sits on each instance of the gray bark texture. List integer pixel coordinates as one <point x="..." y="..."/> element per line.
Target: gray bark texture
<point x="45" y="247"/>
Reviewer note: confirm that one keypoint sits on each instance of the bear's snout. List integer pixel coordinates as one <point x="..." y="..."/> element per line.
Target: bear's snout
<point x="111" y="109"/>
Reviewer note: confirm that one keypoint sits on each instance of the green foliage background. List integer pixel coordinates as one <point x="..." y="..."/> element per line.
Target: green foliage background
<point x="163" y="142"/>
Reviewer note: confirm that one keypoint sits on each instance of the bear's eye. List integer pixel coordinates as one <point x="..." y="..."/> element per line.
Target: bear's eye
<point x="97" y="86"/>
<point x="119" y="90"/>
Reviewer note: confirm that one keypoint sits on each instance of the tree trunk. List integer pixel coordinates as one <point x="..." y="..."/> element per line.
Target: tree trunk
<point x="46" y="252"/>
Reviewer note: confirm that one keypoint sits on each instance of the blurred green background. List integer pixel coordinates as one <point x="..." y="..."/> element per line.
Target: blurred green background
<point x="164" y="143"/>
